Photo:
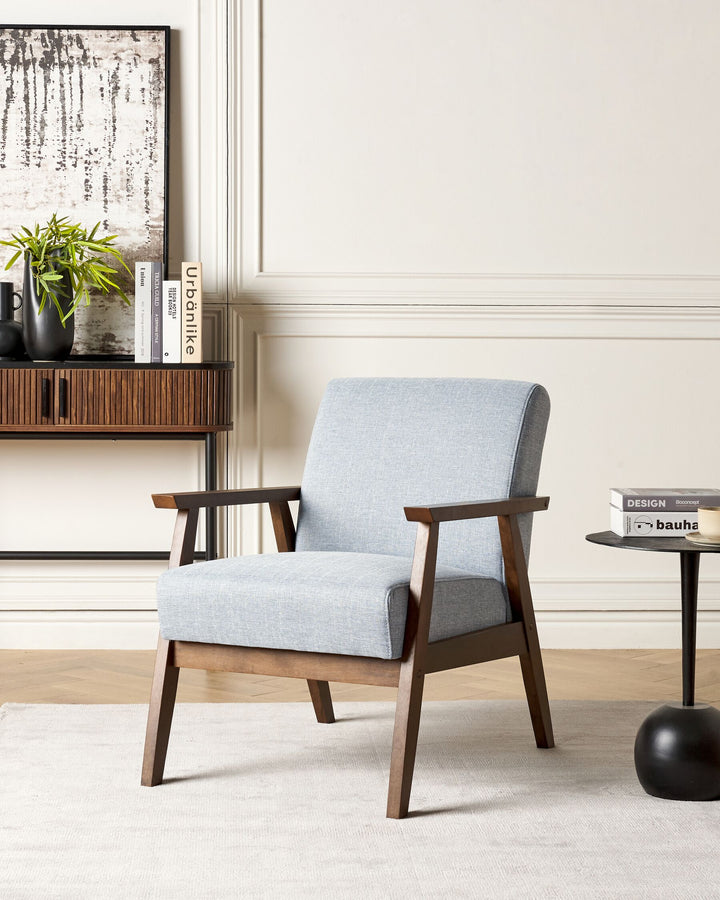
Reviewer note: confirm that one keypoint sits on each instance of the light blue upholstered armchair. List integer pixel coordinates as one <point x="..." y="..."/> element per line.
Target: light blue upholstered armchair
<point x="370" y="595"/>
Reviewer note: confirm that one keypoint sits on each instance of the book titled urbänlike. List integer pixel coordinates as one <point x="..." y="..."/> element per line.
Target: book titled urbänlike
<point x="663" y="499"/>
<point x="191" y="314"/>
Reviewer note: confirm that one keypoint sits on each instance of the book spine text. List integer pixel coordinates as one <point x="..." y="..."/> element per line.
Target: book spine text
<point x="143" y="302"/>
<point x="629" y="524"/>
<point x="171" y="322"/>
<point x="191" y="317"/>
<point x="156" y="316"/>
<point x="660" y="502"/>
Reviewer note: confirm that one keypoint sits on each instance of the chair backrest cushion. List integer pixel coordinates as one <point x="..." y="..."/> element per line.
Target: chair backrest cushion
<point x="380" y="444"/>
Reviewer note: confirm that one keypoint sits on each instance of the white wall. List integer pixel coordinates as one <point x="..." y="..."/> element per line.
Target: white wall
<point x="468" y="188"/>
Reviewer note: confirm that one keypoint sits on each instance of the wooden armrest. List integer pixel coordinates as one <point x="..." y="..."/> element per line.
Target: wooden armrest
<point x="199" y="499"/>
<point x="452" y="512"/>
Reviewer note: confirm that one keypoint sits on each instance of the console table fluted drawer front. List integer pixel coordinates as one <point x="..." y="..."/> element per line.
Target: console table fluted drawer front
<point x="142" y="398"/>
<point x="114" y="399"/>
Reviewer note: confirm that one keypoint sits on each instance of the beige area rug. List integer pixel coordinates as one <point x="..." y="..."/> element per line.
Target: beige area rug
<point x="262" y="802"/>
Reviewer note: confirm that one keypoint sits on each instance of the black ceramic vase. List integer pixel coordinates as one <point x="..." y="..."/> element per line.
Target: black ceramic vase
<point x="44" y="335"/>
<point x="11" y="344"/>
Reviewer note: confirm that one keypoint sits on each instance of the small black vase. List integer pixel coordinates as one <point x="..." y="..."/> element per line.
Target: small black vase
<point x="11" y="344"/>
<point x="45" y="336"/>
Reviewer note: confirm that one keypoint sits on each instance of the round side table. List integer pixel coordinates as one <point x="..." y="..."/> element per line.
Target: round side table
<point x="677" y="749"/>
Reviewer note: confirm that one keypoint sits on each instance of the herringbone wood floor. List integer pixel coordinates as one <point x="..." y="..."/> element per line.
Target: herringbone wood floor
<point x="119" y="676"/>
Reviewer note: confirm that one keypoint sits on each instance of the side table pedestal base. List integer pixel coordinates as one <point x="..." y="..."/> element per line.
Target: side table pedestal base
<point x="677" y="752"/>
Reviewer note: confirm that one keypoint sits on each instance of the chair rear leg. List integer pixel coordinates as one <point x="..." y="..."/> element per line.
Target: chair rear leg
<point x="162" y="704"/>
<point x="404" y="747"/>
<point x="322" y="701"/>
<point x="520" y="596"/>
<point x="536" y="691"/>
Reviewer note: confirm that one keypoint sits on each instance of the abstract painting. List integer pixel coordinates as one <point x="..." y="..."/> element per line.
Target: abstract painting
<point x="84" y="133"/>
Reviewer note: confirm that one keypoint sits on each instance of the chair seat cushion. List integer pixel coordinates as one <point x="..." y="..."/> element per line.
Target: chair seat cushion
<point x="325" y="602"/>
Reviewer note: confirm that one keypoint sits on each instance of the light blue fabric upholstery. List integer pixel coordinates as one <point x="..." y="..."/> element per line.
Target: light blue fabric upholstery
<point x="378" y="445"/>
<point x="325" y="602"/>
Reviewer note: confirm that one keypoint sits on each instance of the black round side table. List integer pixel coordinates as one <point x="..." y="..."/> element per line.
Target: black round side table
<point x="677" y="749"/>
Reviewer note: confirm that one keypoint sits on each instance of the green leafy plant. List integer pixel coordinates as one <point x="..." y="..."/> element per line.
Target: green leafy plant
<point x="61" y="248"/>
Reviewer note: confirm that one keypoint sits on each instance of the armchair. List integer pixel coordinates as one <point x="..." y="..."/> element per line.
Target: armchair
<point x="348" y="598"/>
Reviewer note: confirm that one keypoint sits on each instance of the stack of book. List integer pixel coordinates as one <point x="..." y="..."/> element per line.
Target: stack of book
<point x="168" y="314"/>
<point x="658" y="512"/>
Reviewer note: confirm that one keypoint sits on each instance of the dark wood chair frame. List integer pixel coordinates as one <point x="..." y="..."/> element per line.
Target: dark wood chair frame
<point x="420" y="658"/>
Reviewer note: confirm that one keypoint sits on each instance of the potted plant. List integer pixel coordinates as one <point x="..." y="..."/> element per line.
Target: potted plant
<point x="64" y="262"/>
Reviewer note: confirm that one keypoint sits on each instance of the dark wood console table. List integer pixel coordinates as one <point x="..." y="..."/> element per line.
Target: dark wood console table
<point x="118" y="399"/>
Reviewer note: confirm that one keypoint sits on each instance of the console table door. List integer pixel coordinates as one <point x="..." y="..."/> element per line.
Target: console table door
<point x="26" y="397"/>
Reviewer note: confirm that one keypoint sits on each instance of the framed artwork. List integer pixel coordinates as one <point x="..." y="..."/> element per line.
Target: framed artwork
<point x="84" y="133"/>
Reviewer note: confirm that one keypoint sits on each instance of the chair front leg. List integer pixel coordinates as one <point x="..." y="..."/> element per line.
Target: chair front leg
<point x="405" y="735"/>
<point x="165" y="679"/>
<point x="162" y="705"/>
<point x="412" y="671"/>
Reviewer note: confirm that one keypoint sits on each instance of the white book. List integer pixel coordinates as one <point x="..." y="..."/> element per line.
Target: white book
<point x="191" y="293"/>
<point x="171" y="340"/>
<point x="143" y="303"/>
<point x="652" y="523"/>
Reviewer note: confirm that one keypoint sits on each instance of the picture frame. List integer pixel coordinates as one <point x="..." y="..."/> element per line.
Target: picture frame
<point x="84" y="132"/>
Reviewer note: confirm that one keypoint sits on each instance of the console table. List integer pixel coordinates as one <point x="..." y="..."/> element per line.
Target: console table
<point x="677" y="749"/>
<point x="117" y="399"/>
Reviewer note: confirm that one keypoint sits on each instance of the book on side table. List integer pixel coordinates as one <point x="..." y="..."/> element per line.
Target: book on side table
<point x="658" y="512"/>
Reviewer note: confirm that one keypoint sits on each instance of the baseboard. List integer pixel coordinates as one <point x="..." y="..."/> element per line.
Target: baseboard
<point x="81" y="630"/>
<point x="613" y="629"/>
<point x="138" y="629"/>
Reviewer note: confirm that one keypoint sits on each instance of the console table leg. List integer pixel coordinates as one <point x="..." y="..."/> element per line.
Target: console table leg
<point x="211" y="485"/>
<point x="689" y="566"/>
